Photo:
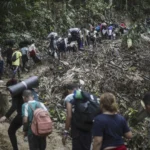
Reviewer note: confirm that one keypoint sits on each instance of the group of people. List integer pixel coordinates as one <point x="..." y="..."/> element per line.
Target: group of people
<point x="105" y="131"/>
<point x="84" y="37"/>
<point x="17" y="56"/>
<point x="24" y="103"/>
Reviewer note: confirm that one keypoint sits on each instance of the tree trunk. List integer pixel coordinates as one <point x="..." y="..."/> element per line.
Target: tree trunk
<point x="48" y="4"/>
<point x="126" y="5"/>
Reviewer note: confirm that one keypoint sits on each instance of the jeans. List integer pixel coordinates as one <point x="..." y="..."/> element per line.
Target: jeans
<point x="16" y="69"/>
<point x="14" y="126"/>
<point x="36" y="142"/>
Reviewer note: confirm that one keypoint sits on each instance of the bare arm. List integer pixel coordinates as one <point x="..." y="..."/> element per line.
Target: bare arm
<point x="69" y="115"/>
<point x="25" y="120"/>
<point x="128" y="135"/>
<point x="97" y="142"/>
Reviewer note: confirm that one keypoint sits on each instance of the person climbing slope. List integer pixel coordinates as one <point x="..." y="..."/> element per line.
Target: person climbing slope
<point x="16" y="123"/>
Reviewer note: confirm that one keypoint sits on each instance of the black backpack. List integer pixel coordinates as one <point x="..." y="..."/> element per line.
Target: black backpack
<point x="85" y="110"/>
<point x="14" y="57"/>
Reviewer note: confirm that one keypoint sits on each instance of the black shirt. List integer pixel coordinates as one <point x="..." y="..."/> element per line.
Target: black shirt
<point x="17" y="102"/>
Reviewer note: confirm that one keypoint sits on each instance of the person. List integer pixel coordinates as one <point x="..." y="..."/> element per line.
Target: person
<point x="74" y="34"/>
<point x="24" y="51"/>
<point x="35" y="142"/>
<point x="1" y="66"/>
<point x="93" y="37"/>
<point x="98" y="27"/>
<point x="33" y="53"/>
<point x="104" y="29"/>
<point x="85" y="33"/>
<point x="16" y="63"/>
<point x="16" y="123"/>
<point x="81" y="140"/>
<point x="8" y="54"/>
<point x="122" y="27"/>
<point x="109" y="127"/>
<point x="61" y="46"/>
<point x="53" y="37"/>
<point x="110" y="32"/>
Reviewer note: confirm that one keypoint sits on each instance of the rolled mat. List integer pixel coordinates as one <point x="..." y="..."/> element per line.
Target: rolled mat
<point x="31" y="82"/>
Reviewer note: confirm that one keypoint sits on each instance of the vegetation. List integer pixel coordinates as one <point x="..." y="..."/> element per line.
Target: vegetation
<point x="36" y="18"/>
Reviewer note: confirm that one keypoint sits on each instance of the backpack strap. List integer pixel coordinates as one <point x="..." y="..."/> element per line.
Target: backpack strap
<point x="37" y="104"/>
<point x="31" y="107"/>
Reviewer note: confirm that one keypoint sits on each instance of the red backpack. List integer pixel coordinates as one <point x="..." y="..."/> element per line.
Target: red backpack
<point x="41" y="124"/>
<point x="32" y="53"/>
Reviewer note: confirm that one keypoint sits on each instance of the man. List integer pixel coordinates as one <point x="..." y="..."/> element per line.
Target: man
<point x="93" y="37"/>
<point x="61" y="47"/>
<point x="8" y="54"/>
<point x="35" y="142"/>
<point x="74" y="34"/>
<point x="110" y="32"/>
<point x="24" y="51"/>
<point x="81" y="140"/>
<point x="16" y="62"/>
<point x="16" y="123"/>
<point x="53" y="38"/>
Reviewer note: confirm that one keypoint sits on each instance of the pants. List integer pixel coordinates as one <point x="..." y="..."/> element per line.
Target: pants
<point x="36" y="59"/>
<point x="24" y="61"/>
<point x="14" y="126"/>
<point x="16" y="69"/>
<point x="9" y="62"/>
<point x="36" y="143"/>
<point x="75" y="38"/>
<point x="80" y="140"/>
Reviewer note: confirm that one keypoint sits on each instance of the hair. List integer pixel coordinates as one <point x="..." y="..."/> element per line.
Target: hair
<point x="72" y="86"/>
<point x="11" y="82"/>
<point x="146" y="99"/>
<point x="27" y="93"/>
<point x="108" y="102"/>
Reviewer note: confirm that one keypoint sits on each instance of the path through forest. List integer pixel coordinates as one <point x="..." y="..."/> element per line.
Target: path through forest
<point x="53" y="141"/>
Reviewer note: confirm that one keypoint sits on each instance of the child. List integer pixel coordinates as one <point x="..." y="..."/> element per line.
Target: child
<point x="1" y="66"/>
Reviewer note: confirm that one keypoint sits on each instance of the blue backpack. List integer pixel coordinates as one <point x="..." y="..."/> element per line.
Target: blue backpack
<point x="98" y="28"/>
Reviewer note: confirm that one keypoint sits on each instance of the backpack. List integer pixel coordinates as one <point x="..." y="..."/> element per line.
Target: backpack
<point x="75" y="33"/>
<point x="32" y="53"/>
<point x="97" y="28"/>
<point x="14" y="57"/>
<point x="41" y="123"/>
<point x="86" y="108"/>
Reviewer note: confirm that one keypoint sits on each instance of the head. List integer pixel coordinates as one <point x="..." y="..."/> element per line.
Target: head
<point x="146" y="101"/>
<point x="70" y="88"/>
<point x="108" y="102"/>
<point x="27" y="95"/>
<point x="11" y="82"/>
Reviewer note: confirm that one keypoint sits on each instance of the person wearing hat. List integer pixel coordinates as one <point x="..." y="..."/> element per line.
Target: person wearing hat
<point x="16" y="62"/>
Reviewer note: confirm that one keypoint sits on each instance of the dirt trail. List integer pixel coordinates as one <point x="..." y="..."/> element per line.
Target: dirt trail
<point x="53" y="141"/>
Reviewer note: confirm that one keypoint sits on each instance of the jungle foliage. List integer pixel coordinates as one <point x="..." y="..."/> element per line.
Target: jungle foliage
<point x="38" y="17"/>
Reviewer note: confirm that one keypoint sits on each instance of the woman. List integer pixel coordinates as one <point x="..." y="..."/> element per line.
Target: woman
<point x="109" y="127"/>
